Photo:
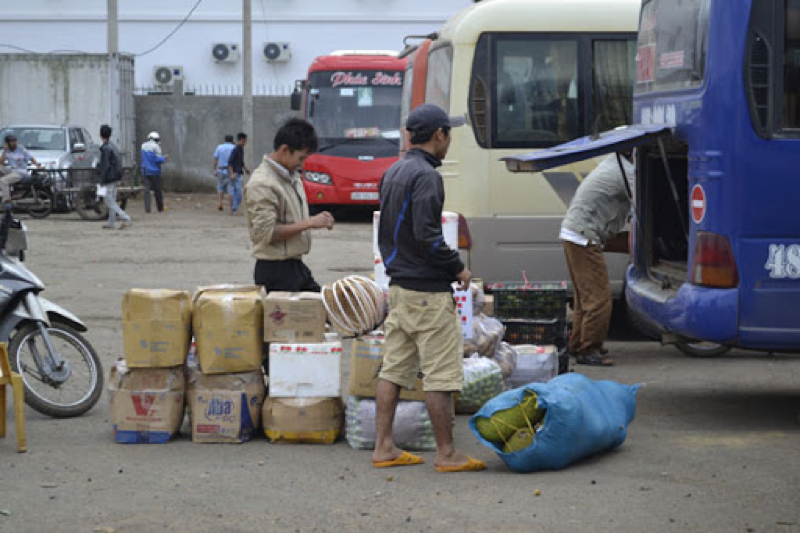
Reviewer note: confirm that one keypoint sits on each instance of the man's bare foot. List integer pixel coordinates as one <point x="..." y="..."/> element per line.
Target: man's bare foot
<point x="457" y="458"/>
<point x="379" y="456"/>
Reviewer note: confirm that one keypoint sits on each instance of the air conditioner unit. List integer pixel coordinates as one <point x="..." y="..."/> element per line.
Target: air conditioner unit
<point x="225" y="52"/>
<point x="277" y="52"/>
<point x="166" y="75"/>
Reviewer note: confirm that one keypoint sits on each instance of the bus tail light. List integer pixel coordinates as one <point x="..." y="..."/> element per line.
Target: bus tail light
<point x="713" y="264"/>
<point x="464" y="237"/>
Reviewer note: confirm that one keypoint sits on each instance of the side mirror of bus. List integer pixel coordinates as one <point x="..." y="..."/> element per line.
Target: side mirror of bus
<point x="297" y="94"/>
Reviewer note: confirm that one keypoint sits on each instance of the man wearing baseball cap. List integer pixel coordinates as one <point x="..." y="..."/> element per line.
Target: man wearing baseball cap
<point x="422" y="331"/>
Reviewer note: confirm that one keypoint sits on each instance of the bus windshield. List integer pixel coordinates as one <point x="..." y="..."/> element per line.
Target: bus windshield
<point x="673" y="36"/>
<point x="356" y="108"/>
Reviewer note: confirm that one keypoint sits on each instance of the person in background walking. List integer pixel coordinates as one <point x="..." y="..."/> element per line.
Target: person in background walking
<point x="152" y="160"/>
<point x="222" y="155"/>
<point x="110" y="174"/>
<point x="236" y="168"/>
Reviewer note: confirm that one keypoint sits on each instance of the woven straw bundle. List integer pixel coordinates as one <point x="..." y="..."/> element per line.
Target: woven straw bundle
<point x="355" y="305"/>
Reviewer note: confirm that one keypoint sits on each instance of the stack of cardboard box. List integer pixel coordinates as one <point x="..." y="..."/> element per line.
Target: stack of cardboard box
<point x="225" y="381"/>
<point x="304" y="403"/>
<point x="147" y="388"/>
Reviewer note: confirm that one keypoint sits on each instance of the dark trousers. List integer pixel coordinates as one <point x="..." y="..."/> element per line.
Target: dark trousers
<point x="153" y="183"/>
<point x="291" y="275"/>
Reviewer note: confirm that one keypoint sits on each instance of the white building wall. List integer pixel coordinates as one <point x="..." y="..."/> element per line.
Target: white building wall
<point x="312" y="27"/>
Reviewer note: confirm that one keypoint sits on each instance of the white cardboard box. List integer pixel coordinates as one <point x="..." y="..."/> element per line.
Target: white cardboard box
<point x="305" y="370"/>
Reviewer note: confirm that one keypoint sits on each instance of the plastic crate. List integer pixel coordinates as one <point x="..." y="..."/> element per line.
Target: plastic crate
<point x="537" y="332"/>
<point x="530" y="301"/>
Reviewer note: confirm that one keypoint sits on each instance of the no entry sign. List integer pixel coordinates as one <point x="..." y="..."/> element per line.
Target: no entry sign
<point x="698" y="203"/>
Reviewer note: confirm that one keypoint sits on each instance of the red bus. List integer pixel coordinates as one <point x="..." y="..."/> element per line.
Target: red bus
<point x="353" y="100"/>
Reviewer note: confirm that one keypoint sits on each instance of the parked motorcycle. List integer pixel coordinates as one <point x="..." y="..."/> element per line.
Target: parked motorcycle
<point x="34" y="194"/>
<point x="62" y="373"/>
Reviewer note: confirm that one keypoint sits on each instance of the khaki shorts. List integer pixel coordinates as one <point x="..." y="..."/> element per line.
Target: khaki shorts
<point x="423" y="334"/>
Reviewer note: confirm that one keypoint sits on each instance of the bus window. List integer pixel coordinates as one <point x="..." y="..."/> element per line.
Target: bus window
<point x="613" y="71"/>
<point x="673" y="36"/>
<point x="352" y="105"/>
<point x="536" y="92"/>
<point x="440" y="66"/>
<point x="791" y="83"/>
<point x="479" y="93"/>
<point x="405" y="104"/>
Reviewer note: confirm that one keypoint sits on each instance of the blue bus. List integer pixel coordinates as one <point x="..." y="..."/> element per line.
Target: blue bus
<point x="716" y="222"/>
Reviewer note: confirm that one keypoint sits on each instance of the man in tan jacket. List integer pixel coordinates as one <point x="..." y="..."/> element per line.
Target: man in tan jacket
<point x="277" y="212"/>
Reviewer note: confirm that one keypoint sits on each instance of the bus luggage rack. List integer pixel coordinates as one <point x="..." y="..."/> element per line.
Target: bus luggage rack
<point x="530" y="301"/>
<point x="538" y="332"/>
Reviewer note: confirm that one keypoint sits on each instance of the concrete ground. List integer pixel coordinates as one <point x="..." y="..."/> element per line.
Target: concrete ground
<point x="711" y="448"/>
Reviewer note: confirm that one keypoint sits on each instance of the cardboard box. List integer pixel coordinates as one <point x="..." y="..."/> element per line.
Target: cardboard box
<point x="365" y="364"/>
<point x="311" y="420"/>
<point x="156" y="327"/>
<point x="225" y="407"/>
<point x="305" y="370"/>
<point x="488" y="306"/>
<point x="146" y="403"/>
<point x="294" y="317"/>
<point x="228" y="329"/>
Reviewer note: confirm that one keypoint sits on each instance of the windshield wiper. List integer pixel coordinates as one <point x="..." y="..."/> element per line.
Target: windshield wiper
<point x="35" y="148"/>
<point x="356" y="140"/>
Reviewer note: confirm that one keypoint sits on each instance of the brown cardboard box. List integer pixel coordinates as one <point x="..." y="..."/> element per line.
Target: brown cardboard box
<point x="488" y="306"/>
<point x="146" y="403"/>
<point x="228" y="330"/>
<point x="365" y="363"/>
<point x="156" y="327"/>
<point x="296" y="317"/>
<point x="224" y="407"/>
<point x="313" y="420"/>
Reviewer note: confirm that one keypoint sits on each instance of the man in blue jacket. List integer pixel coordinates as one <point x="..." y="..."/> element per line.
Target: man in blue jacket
<point x="422" y="329"/>
<point x="151" y="170"/>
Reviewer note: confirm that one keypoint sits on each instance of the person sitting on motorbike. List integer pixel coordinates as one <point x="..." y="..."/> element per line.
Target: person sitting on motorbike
<point x="13" y="166"/>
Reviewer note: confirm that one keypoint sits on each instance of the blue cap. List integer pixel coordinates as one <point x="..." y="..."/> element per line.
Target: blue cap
<point x="430" y="117"/>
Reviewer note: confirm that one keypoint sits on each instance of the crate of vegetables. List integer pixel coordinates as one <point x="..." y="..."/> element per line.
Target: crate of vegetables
<point x="530" y="301"/>
<point x="537" y="332"/>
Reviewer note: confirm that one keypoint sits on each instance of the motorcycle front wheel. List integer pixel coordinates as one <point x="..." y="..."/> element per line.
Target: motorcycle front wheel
<point x="43" y="203"/>
<point x="89" y="205"/>
<point x="65" y="398"/>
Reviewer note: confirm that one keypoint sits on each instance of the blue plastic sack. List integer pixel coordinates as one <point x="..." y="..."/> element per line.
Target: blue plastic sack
<point x="583" y="417"/>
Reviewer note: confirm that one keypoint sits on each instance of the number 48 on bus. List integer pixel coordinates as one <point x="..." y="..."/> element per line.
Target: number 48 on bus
<point x="784" y="261"/>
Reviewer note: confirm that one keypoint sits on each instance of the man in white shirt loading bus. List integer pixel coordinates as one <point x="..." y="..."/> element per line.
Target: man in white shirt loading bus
<point x="598" y="212"/>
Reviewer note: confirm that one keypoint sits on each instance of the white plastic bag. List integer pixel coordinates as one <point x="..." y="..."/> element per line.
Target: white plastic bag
<point x="535" y="364"/>
<point x="483" y="380"/>
<point x="412" y="429"/>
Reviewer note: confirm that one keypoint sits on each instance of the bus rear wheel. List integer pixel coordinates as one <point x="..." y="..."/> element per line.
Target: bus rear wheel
<point x="704" y="350"/>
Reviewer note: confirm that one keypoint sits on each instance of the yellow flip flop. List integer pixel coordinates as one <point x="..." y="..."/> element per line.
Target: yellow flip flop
<point x="405" y="459"/>
<point x="472" y="465"/>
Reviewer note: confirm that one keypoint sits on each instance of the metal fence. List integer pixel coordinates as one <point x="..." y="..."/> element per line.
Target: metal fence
<point x="219" y="90"/>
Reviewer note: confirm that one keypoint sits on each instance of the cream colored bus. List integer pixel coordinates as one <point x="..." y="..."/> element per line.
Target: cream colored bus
<point x="528" y="74"/>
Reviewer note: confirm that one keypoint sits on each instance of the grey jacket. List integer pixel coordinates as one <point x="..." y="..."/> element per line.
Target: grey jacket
<point x="601" y="206"/>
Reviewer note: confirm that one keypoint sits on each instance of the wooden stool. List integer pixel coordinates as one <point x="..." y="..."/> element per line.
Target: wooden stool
<point x="7" y="377"/>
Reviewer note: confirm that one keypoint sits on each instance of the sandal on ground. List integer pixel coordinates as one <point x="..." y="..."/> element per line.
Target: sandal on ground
<point x="405" y="459"/>
<point x="594" y="359"/>
<point x="472" y="465"/>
